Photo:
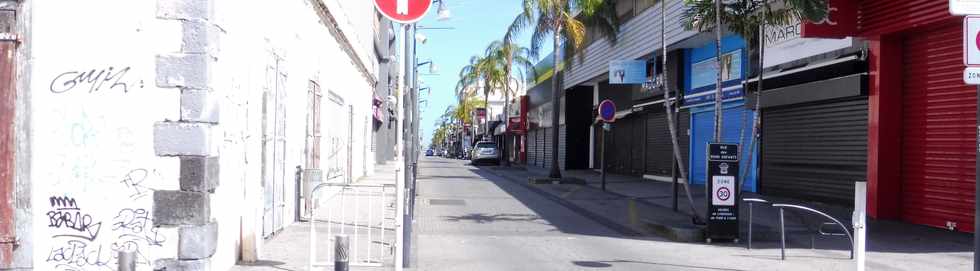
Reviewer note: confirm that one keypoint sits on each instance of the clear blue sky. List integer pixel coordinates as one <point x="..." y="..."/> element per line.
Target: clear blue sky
<point x="477" y="23"/>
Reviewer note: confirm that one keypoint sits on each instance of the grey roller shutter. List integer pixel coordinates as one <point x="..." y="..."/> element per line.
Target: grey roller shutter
<point x="815" y="151"/>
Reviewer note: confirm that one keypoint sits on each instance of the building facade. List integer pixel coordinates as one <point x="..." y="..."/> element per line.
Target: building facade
<point x="179" y="129"/>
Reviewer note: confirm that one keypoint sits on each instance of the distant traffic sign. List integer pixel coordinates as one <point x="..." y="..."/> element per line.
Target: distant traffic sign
<point x="607" y="111"/>
<point x="403" y="11"/>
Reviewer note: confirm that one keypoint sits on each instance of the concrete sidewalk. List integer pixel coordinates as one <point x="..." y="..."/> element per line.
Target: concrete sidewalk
<point x="637" y="206"/>
<point x="290" y="248"/>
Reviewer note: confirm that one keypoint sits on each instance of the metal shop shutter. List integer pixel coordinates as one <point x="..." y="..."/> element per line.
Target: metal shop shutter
<point x="562" y="146"/>
<point x="548" y="151"/>
<point x="815" y="151"/>
<point x="529" y="147"/>
<point x="659" y="149"/>
<point x="637" y="144"/>
<point x="620" y="143"/>
<point x="938" y="158"/>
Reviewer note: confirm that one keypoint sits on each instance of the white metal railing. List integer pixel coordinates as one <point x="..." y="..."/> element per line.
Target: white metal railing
<point x="365" y="213"/>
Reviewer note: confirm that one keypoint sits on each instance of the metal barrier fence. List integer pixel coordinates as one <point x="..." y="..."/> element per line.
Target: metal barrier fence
<point x="364" y="213"/>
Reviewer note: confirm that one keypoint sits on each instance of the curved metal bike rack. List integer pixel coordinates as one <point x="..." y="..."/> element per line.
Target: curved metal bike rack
<point x="782" y="226"/>
<point x="751" y="202"/>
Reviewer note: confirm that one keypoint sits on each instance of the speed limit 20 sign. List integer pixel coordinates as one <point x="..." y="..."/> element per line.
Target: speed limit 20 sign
<point x="403" y="11"/>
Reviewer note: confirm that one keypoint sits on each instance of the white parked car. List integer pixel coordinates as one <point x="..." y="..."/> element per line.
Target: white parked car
<point x="485" y="151"/>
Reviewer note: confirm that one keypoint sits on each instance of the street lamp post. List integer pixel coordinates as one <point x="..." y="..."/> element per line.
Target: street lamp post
<point x="412" y="144"/>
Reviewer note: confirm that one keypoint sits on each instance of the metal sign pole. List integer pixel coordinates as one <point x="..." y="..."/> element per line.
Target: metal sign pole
<point x="602" y="154"/>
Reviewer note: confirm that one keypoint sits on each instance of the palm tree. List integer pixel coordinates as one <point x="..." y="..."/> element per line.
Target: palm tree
<point x="748" y="19"/>
<point x="485" y="71"/>
<point x="567" y="29"/>
<point x="510" y="54"/>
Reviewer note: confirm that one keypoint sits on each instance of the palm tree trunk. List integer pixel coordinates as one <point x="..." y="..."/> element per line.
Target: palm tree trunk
<point x="718" y="94"/>
<point x="670" y="113"/>
<point x="757" y="121"/>
<point x="556" y="106"/>
<point x="503" y="150"/>
<point x="486" y="112"/>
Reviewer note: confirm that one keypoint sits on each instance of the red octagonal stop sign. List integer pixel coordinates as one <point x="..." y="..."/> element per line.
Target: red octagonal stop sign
<point x="403" y="11"/>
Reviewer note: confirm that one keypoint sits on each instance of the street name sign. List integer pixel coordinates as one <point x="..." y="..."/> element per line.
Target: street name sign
<point x="403" y="11"/>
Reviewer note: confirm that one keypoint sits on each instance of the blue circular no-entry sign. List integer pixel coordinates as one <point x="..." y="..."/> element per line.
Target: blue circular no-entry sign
<point x="607" y="111"/>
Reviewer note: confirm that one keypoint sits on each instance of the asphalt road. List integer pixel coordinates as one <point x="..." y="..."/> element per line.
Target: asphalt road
<point x="469" y="219"/>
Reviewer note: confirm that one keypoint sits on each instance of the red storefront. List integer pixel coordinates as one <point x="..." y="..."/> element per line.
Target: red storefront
<point x="517" y="132"/>
<point x="922" y="117"/>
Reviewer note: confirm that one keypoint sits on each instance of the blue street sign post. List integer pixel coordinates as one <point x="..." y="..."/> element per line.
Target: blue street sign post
<point x="607" y="113"/>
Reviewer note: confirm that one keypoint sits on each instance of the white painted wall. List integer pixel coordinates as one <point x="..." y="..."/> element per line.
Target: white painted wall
<point x="94" y="138"/>
<point x="257" y="33"/>
<point x="93" y="141"/>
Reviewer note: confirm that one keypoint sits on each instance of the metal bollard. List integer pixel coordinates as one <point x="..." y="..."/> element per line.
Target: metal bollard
<point x="750" y="225"/>
<point x="341" y="249"/>
<point x="782" y="235"/>
<point x="127" y="260"/>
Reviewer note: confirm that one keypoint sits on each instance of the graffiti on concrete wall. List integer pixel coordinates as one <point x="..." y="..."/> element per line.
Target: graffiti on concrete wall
<point x="87" y="238"/>
<point x="94" y="80"/>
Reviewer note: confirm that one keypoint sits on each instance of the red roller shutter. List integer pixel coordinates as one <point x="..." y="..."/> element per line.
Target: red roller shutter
<point x="938" y="163"/>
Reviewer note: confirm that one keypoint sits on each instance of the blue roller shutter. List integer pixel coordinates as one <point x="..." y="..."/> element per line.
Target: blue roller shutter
<point x="702" y="129"/>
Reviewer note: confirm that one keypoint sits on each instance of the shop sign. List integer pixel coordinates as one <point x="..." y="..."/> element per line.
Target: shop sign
<point x="723" y="185"/>
<point x="709" y="96"/>
<point x="627" y="72"/>
<point x="785" y="43"/>
<point x="516" y="125"/>
<point x="705" y="73"/>
<point x="841" y="21"/>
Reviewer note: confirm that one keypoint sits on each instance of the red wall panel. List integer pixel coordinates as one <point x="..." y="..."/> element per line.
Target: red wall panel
<point x="938" y="156"/>
<point x="881" y="17"/>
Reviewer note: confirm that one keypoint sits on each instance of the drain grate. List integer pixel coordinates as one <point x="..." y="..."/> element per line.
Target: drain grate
<point x="451" y="202"/>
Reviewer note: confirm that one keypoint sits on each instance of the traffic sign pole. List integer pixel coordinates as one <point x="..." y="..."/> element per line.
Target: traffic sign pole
<point x="971" y="76"/>
<point x="607" y="113"/>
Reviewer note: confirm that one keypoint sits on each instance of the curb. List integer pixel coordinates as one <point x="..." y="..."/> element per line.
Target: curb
<point x="621" y="229"/>
<point x="692" y="234"/>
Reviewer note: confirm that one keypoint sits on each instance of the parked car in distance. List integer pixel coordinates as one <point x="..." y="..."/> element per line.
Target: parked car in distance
<point x="485" y="151"/>
<point x="429" y="152"/>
